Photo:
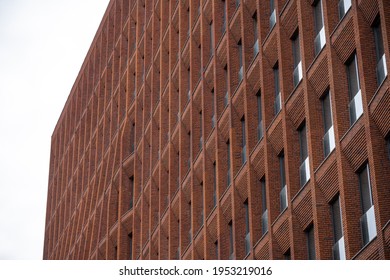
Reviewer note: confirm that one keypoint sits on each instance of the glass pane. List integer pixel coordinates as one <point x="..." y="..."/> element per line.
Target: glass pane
<point x="272" y="19"/>
<point x="296" y="51"/>
<point x="353" y="78"/>
<point x="365" y="189"/>
<point x="264" y="222"/>
<point x="283" y="198"/>
<point x="368" y="225"/>
<point x="339" y="250"/>
<point x="381" y="70"/>
<point x="318" y="16"/>
<point x="303" y="143"/>
<point x="327" y="112"/>
<point x="328" y="141"/>
<point x="304" y="172"/>
<point x="337" y="219"/>
<point x="311" y="244"/>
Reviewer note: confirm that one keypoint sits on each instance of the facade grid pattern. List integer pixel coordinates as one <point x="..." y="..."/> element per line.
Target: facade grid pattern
<point x="201" y="129"/>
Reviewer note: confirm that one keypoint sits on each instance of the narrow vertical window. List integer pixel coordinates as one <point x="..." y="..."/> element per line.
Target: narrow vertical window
<point x="278" y="95"/>
<point x="243" y="141"/>
<point x="297" y="74"/>
<point x="190" y="221"/>
<point x="338" y="236"/>
<point x="131" y="189"/>
<point x="228" y="162"/>
<point x="256" y="36"/>
<point x="328" y="140"/>
<point x="304" y="169"/>
<point x="240" y="62"/>
<point x="178" y="169"/>
<point x="381" y="67"/>
<point x="190" y="150"/>
<point x="130" y="246"/>
<point x="311" y="248"/>
<point x="388" y="146"/>
<point x="201" y="219"/>
<point x="224" y="16"/>
<point x="238" y="2"/>
<point x="367" y="221"/>
<point x="212" y="108"/>
<point x="344" y="6"/>
<point x="200" y="130"/>
<point x="211" y="39"/>
<point x="247" y="229"/>
<point x="264" y="211"/>
<point x="132" y="138"/>
<point x="188" y="84"/>
<point x="214" y="183"/>
<point x="189" y="22"/>
<point x="226" y="99"/>
<point x="355" y="96"/>
<point x="216" y="250"/>
<point x="319" y="41"/>
<point x="259" y="117"/>
<point x="283" y="192"/>
<point x="272" y="18"/>
<point x="231" y="241"/>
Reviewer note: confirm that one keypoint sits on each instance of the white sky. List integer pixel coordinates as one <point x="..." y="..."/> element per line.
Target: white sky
<point x="43" y="44"/>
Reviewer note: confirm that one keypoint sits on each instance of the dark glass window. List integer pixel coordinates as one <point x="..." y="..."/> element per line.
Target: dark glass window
<point x="311" y="243"/>
<point x="259" y="117"/>
<point x="243" y="141"/>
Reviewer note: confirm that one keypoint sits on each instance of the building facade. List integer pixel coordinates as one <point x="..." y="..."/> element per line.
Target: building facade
<point x="200" y="129"/>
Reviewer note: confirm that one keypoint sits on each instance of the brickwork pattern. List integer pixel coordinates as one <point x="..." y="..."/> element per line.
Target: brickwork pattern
<point x="139" y="156"/>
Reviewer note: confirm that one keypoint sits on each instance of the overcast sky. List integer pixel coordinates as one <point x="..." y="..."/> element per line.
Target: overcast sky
<point x="43" y="44"/>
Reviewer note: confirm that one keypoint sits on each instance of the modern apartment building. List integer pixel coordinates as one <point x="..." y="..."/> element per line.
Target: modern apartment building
<point x="216" y="129"/>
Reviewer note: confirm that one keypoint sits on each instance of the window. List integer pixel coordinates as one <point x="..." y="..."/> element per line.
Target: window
<point x="287" y="255"/>
<point x="211" y="39"/>
<point x="190" y="221"/>
<point x="131" y="189"/>
<point x="226" y="99"/>
<point x="388" y="147"/>
<point x="272" y="18"/>
<point x="212" y="108"/>
<point x="355" y="96"/>
<point x="135" y="87"/>
<point x="278" y="95"/>
<point x="328" y="140"/>
<point x="247" y="229"/>
<point x="178" y="169"/>
<point x="214" y="183"/>
<point x="132" y="138"/>
<point x="216" y="250"/>
<point x="201" y="203"/>
<point x="190" y="150"/>
<point x="259" y="117"/>
<point x="338" y="236"/>
<point x="188" y="84"/>
<point x="319" y="41"/>
<point x="304" y="169"/>
<point x="381" y="68"/>
<point x="297" y="73"/>
<point x="264" y="211"/>
<point x="311" y="247"/>
<point x="231" y="241"/>
<point x="238" y="2"/>
<point x="344" y="6"/>
<point x="189" y="22"/>
<point x="283" y="192"/>
<point x="243" y="141"/>
<point x="228" y="163"/>
<point x="224" y="16"/>
<point x="200" y="130"/>
<point x="240" y="62"/>
<point x="130" y="246"/>
<point x="256" y="36"/>
<point x="367" y="221"/>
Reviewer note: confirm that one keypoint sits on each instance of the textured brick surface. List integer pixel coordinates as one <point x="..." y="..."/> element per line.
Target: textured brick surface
<point x="133" y="153"/>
